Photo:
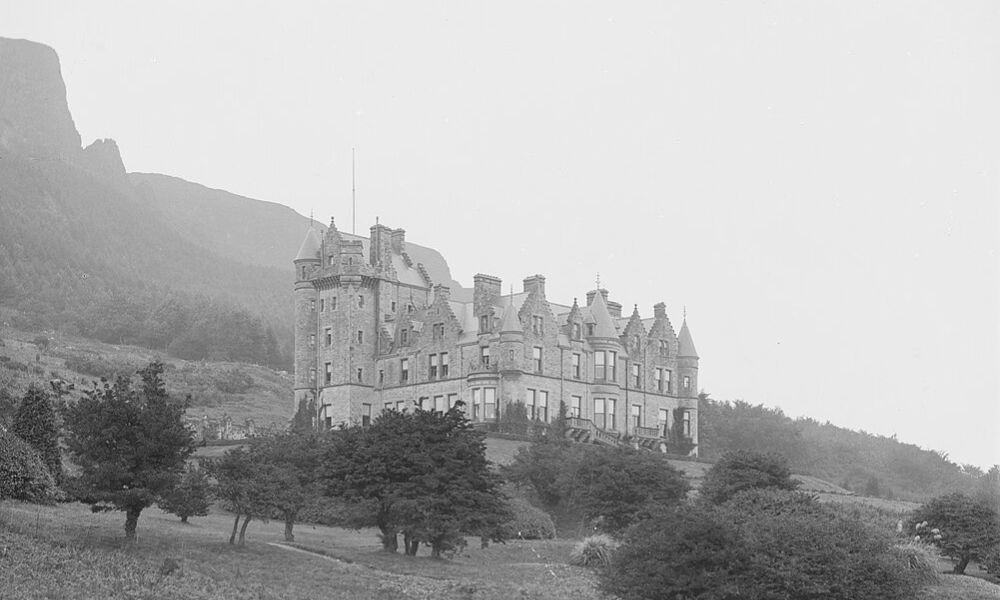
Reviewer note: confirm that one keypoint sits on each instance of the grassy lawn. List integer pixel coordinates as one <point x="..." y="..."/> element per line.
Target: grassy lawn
<point x="67" y="552"/>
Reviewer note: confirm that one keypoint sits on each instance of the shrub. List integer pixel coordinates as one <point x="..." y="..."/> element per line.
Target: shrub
<point x="763" y="544"/>
<point x="594" y="551"/>
<point x="191" y="497"/>
<point x="743" y="470"/>
<point x="991" y="562"/>
<point x="35" y="423"/>
<point x="528" y="522"/>
<point x="920" y="560"/>
<point x="23" y="474"/>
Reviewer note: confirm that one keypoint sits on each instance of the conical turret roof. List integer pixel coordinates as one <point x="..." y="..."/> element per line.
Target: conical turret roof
<point x="685" y="345"/>
<point x="310" y="247"/>
<point x="510" y="323"/>
<point x="604" y="325"/>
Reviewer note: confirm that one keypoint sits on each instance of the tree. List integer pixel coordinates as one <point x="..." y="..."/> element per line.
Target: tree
<point x="241" y="484"/>
<point x="679" y="442"/>
<point x="191" y="497"/>
<point x="305" y="416"/>
<point x="422" y="473"/>
<point x="23" y="474"/>
<point x="964" y="528"/>
<point x="291" y="460"/>
<point x="35" y="423"/>
<point x="741" y="470"/>
<point x="130" y="445"/>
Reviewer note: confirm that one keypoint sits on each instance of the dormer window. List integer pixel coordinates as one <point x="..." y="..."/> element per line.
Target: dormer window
<point x="576" y="331"/>
<point x="590" y="329"/>
<point x="537" y="324"/>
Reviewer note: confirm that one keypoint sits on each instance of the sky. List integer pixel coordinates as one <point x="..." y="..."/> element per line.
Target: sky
<point x="817" y="183"/>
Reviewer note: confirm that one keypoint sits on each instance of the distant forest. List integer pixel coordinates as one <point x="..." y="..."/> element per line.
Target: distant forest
<point x="865" y="463"/>
<point x="87" y="257"/>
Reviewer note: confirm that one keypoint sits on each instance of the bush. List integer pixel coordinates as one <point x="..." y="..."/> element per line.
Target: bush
<point x="743" y="470"/>
<point x="763" y="544"/>
<point x="921" y="561"/>
<point x="191" y="497"/>
<point x="528" y="522"/>
<point x="594" y="551"/>
<point x="966" y="528"/>
<point x="23" y="474"/>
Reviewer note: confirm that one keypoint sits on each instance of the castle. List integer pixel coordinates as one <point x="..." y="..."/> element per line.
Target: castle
<point x="376" y="330"/>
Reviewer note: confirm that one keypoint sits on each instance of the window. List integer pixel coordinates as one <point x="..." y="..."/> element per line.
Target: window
<point x="404" y="335"/>
<point x="543" y="405"/>
<point x="484" y="356"/>
<point x="636" y="376"/>
<point x="328" y="372"/>
<point x="574" y="406"/>
<point x="360" y="374"/>
<point x="438" y="331"/>
<point x="322" y="305"/>
<point x="600" y="372"/>
<point x="599" y="413"/>
<point x="537" y="324"/>
<point x="422" y="402"/>
<point x="361" y="301"/>
<point x="312" y="305"/>
<point x="392" y="307"/>
<point x="664" y="348"/>
<point x="687" y="383"/>
<point x="409" y="308"/>
<point x="636" y="415"/>
<point x="662" y="421"/>
<point x="303" y="272"/>
<point x="328" y="421"/>
<point x="613" y="366"/>
<point x="381" y="376"/>
<point x="666" y="381"/>
<point x="477" y="400"/>
<point x="366" y="415"/>
<point x="312" y="375"/>
<point x="489" y="403"/>
<point x="659" y="378"/>
<point x="329" y="260"/>
<point x="432" y="367"/>
<point x="444" y="365"/>
<point x="333" y="303"/>
<point x="440" y="405"/>
<point x="575" y="361"/>
<point x="529" y="404"/>
<point x="484" y="324"/>
<point x="611" y="414"/>
<point x="361" y="337"/>
<point x="328" y="332"/>
<point x="312" y="340"/>
<point x="387" y="407"/>
<point x="576" y="331"/>
<point x="686" y="423"/>
<point x="536" y="355"/>
<point x="404" y="370"/>
<point x="590" y="329"/>
<point x="452" y="399"/>
<point x="401" y="406"/>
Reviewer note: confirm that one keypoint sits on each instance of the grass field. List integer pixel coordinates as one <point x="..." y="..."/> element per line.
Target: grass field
<point x="67" y="552"/>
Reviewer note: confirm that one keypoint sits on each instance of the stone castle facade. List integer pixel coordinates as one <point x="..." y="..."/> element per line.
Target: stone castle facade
<point x="376" y="330"/>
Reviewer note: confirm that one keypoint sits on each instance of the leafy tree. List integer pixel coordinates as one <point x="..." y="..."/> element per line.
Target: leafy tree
<point x="423" y="473"/>
<point x="23" y="474"/>
<point x="35" y="423"/>
<point x="191" y="497"/>
<point x="966" y="528"/>
<point x="130" y="445"/>
<point x="678" y="441"/>
<point x="514" y="419"/>
<point x="305" y="416"/>
<point x="242" y="485"/>
<point x="743" y="470"/>
<point x="291" y="461"/>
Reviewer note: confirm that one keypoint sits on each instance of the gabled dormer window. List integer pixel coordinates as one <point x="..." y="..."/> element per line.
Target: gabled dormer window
<point x="537" y="324"/>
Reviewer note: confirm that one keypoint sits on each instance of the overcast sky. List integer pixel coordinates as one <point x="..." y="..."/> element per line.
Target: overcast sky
<point x="816" y="181"/>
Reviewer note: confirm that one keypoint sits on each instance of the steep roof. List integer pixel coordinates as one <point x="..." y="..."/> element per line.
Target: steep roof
<point x="685" y="345"/>
<point x="510" y="323"/>
<point x="604" y="325"/>
<point x="309" y="250"/>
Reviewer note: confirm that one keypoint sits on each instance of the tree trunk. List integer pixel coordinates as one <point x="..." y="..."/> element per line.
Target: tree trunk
<point x="411" y="545"/>
<point x="184" y="519"/>
<point x="243" y="530"/>
<point x="131" y="520"/>
<point x="236" y="523"/>
<point x="389" y="539"/>
<point x="289" y="523"/>
<point x="960" y="567"/>
<point x="436" y="549"/>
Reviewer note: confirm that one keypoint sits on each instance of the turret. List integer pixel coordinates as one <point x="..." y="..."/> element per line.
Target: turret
<point x="687" y="364"/>
<point x="511" y="338"/>
<point x="307" y="261"/>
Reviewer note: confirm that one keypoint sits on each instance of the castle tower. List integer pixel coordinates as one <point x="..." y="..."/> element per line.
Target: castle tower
<point x="687" y="364"/>
<point x="307" y="262"/>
